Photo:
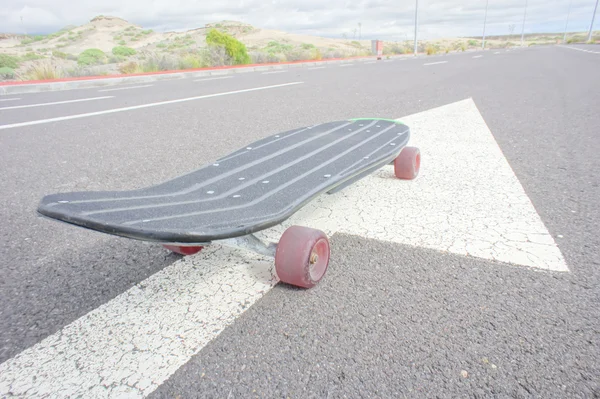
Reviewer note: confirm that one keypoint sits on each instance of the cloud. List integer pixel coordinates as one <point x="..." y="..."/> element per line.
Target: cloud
<point x="382" y="19"/>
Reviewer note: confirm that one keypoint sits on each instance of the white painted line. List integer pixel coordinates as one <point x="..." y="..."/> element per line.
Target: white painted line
<point x="346" y="65"/>
<point x="477" y="56"/>
<point x="134" y="107"/>
<point x="580" y="49"/>
<point x="126" y="88"/>
<point x="9" y="99"/>
<point x="466" y="200"/>
<point x="132" y="344"/>
<point x="371" y="62"/>
<point x="435" y="63"/>
<point x="219" y="78"/>
<point x="56" y="103"/>
<point x="270" y="72"/>
<point x="313" y="68"/>
<point x="497" y="52"/>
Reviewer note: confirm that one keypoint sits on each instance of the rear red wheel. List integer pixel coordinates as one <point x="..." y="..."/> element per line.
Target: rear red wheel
<point x="408" y="163"/>
<point x="178" y="249"/>
<point x="302" y="256"/>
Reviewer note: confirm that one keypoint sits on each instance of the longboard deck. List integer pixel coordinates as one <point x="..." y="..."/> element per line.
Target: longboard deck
<point x="251" y="189"/>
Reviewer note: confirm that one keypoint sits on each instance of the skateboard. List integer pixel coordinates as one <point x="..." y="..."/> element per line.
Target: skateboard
<point x="251" y="189"/>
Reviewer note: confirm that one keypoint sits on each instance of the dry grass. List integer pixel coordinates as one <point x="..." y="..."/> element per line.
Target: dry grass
<point x="43" y="71"/>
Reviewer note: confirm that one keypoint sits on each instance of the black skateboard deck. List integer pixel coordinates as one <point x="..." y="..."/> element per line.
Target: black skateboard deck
<point x="254" y="188"/>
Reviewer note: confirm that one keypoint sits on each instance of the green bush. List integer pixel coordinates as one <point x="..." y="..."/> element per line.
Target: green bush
<point x="27" y="41"/>
<point x="7" y="73"/>
<point x="307" y="46"/>
<point x="276" y="47"/>
<point x="59" y="54"/>
<point x="473" y="43"/>
<point x="31" y="57"/>
<point x="233" y="47"/>
<point x="91" y="56"/>
<point x="37" y="38"/>
<point x="161" y="45"/>
<point x="123" y="51"/>
<point x="147" y="31"/>
<point x="8" y="61"/>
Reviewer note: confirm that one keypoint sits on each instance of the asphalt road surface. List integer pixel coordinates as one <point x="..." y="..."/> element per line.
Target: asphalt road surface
<point x="389" y="319"/>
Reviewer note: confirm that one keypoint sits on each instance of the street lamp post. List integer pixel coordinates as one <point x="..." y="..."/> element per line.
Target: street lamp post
<point x="523" y="27"/>
<point x="416" y="23"/>
<point x="592" y="24"/>
<point x="567" y="23"/>
<point x="484" y="22"/>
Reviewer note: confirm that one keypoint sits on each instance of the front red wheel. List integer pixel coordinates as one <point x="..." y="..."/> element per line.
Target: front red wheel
<point x="408" y="163"/>
<point x="178" y="249"/>
<point x="302" y="256"/>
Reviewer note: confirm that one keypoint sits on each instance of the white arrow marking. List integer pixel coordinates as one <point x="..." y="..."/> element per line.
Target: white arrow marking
<point x="466" y="201"/>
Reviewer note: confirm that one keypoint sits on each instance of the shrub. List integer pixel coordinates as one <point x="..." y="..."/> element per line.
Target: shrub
<point x="260" y="57"/>
<point x="307" y="46"/>
<point x="8" y="61"/>
<point x="31" y="57"/>
<point x="192" y="61"/>
<point x="147" y="31"/>
<point x="473" y="43"/>
<point x="430" y="49"/>
<point x="26" y="41"/>
<point x="161" y="45"/>
<point x="7" y="73"/>
<point x="37" y="38"/>
<point x="235" y="49"/>
<point x="43" y="71"/>
<point x="276" y="47"/>
<point x="130" y="67"/>
<point x="122" y="42"/>
<point x="91" y="56"/>
<point x="123" y="51"/>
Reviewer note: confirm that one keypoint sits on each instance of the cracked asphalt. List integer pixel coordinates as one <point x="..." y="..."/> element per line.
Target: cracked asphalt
<point x="390" y="319"/>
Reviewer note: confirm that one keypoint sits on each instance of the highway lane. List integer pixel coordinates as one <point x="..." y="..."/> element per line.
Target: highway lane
<point x="79" y="101"/>
<point x="53" y="274"/>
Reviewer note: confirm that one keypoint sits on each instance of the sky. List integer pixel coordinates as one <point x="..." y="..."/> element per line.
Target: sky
<point x="378" y="19"/>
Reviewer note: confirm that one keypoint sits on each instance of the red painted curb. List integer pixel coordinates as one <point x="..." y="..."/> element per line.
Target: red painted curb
<point x="29" y="82"/>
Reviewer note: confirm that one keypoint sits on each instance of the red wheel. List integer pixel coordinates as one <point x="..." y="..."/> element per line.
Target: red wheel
<point x="183" y="250"/>
<point x="302" y="256"/>
<point x="408" y="163"/>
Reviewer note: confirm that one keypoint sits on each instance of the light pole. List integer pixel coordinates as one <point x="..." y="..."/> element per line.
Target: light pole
<point x="484" y="22"/>
<point x="592" y="24"/>
<point x="567" y="23"/>
<point x="416" y="23"/>
<point x="523" y="27"/>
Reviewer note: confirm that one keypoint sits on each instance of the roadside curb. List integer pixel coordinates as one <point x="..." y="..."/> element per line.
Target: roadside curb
<point x="102" y="81"/>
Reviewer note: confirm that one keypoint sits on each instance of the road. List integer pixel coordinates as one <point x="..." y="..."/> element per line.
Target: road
<point x="392" y="318"/>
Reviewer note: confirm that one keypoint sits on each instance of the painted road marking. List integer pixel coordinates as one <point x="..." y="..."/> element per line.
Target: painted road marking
<point x="270" y="72"/>
<point x="132" y="344"/>
<point x="9" y="99"/>
<point x="56" y="103"/>
<point x="126" y="88"/>
<point x="435" y="63"/>
<point x="581" y="49"/>
<point x="346" y="65"/>
<point x="371" y="62"/>
<point x="134" y="107"/>
<point x="219" y="78"/>
<point x="477" y="56"/>
<point x="313" y="68"/>
<point x="466" y="201"/>
<point x="497" y="52"/>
